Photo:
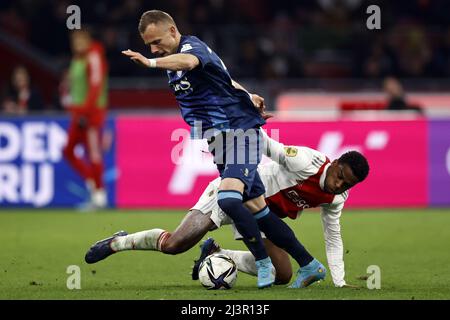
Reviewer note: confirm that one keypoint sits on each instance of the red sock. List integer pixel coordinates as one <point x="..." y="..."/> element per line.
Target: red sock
<point x="97" y="174"/>
<point x="79" y="165"/>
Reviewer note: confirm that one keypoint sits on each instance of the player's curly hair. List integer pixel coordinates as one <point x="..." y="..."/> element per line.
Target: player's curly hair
<point x="357" y="162"/>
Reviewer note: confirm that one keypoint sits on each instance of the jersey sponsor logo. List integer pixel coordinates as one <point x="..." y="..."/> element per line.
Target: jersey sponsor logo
<point x="295" y="198"/>
<point x="290" y="151"/>
<point x="182" y="85"/>
<point x="186" y="47"/>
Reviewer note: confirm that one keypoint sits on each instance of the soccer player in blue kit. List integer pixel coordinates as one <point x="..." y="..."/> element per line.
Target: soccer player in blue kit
<point x="219" y="109"/>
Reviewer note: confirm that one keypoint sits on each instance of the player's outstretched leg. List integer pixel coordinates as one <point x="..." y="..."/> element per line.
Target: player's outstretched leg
<point x="190" y="231"/>
<point x="309" y="274"/>
<point x="102" y="249"/>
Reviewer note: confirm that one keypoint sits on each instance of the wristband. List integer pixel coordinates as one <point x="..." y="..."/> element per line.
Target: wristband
<point x="152" y="63"/>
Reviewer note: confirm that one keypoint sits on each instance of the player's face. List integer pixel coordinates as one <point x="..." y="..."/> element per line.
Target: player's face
<point x="80" y="43"/>
<point x="339" y="178"/>
<point x="161" y="39"/>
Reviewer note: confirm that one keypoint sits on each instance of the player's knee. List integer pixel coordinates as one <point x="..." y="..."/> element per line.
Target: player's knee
<point x="172" y="247"/>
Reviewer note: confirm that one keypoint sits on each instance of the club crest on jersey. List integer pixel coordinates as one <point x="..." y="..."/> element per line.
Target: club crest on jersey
<point x="290" y="151"/>
<point x="186" y="47"/>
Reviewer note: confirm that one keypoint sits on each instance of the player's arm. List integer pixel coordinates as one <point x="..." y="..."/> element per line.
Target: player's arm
<point x="173" y="62"/>
<point x="334" y="245"/>
<point x="257" y="100"/>
<point x="293" y="158"/>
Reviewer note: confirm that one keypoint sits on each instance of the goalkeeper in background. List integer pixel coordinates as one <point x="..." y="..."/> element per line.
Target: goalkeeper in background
<point x="88" y="74"/>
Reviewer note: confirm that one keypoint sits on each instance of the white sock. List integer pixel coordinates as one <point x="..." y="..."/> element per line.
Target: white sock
<point x="144" y="240"/>
<point x="99" y="198"/>
<point x="244" y="260"/>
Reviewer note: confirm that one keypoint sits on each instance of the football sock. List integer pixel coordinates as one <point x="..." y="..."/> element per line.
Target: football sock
<point x="144" y="240"/>
<point x="231" y="203"/>
<point x="79" y="165"/>
<point x="277" y="231"/>
<point x="97" y="172"/>
<point x="245" y="261"/>
<point x="99" y="198"/>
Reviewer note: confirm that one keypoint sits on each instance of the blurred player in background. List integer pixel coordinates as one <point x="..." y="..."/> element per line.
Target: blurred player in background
<point x="298" y="178"/>
<point x="211" y="102"/>
<point x="87" y="76"/>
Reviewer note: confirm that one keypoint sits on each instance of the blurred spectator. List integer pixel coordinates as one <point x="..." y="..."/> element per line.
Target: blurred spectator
<point x="379" y="61"/>
<point x="441" y="56"/>
<point x="412" y="49"/>
<point x="396" y="96"/>
<point x="13" y="22"/>
<point x="313" y="38"/>
<point x="338" y="11"/>
<point x="21" y="97"/>
<point x="61" y="97"/>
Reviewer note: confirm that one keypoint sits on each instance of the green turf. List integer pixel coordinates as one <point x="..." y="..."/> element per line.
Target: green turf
<point x="36" y="247"/>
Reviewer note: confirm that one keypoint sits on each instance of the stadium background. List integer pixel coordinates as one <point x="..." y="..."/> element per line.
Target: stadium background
<point x="315" y="62"/>
<point x="319" y="68"/>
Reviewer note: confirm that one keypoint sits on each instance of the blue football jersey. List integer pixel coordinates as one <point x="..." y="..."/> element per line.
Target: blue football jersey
<point x="205" y="94"/>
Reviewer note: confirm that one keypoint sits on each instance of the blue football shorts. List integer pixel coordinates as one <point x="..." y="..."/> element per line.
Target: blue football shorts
<point x="237" y="153"/>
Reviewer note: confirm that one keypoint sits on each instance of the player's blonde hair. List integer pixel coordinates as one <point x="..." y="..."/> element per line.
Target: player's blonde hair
<point x="154" y="16"/>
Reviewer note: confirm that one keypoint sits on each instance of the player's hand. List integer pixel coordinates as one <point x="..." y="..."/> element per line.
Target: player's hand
<point x="266" y="115"/>
<point x="259" y="104"/>
<point x="137" y="58"/>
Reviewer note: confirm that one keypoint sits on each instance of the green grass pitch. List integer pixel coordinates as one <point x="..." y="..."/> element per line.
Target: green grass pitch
<point x="411" y="247"/>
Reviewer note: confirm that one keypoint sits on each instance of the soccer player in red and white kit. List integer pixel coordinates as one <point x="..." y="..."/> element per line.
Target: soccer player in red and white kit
<point x="88" y="74"/>
<point x="298" y="178"/>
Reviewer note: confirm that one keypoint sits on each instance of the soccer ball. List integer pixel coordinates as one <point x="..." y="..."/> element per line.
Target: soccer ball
<point x="217" y="272"/>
